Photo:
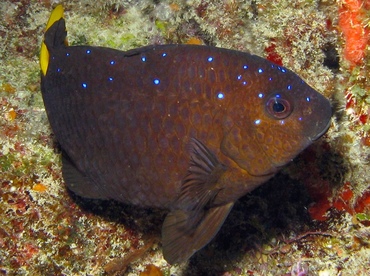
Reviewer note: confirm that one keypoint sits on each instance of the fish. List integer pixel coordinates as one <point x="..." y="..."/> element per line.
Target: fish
<point x="185" y="128"/>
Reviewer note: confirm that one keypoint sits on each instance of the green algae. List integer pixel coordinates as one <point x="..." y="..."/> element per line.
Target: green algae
<point x="363" y="217"/>
<point x="162" y="26"/>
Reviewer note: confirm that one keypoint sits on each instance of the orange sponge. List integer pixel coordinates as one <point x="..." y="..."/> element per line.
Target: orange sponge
<point x="352" y="15"/>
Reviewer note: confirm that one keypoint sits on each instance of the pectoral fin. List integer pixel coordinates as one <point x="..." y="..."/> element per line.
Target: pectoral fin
<point x="199" y="186"/>
<point x="180" y="242"/>
<point x="194" y="220"/>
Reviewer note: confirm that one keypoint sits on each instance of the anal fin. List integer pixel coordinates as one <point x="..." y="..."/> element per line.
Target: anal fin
<point x="77" y="182"/>
<point x="180" y="242"/>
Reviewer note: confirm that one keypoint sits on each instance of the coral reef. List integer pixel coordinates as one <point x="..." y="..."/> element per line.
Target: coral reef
<point x="311" y="219"/>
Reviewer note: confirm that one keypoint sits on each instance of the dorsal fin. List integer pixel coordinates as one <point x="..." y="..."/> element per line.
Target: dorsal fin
<point x="193" y="221"/>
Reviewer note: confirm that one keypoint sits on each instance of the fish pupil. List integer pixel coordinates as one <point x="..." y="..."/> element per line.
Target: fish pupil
<point x="278" y="107"/>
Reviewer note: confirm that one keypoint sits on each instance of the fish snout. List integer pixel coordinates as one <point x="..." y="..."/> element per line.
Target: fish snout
<point x="321" y="119"/>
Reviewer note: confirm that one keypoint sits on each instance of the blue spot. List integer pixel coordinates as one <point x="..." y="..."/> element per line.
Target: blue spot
<point x="270" y="79"/>
<point x="68" y="54"/>
<point x="308" y="99"/>
<point x="88" y="51"/>
<point x="112" y="62"/>
<point x="210" y="59"/>
<point x="300" y="119"/>
<point x="220" y="95"/>
<point x="277" y="95"/>
<point x="53" y="57"/>
<point x="260" y="70"/>
<point x="283" y="70"/>
<point x="143" y="59"/>
<point x="239" y="77"/>
<point x="156" y="81"/>
<point x="58" y="70"/>
<point x="260" y="95"/>
<point x="289" y="87"/>
<point x="244" y="83"/>
<point x="272" y="66"/>
<point x="84" y="85"/>
<point x="164" y="54"/>
<point x="110" y="79"/>
<point x="257" y="122"/>
<point x="282" y="122"/>
<point x="245" y="67"/>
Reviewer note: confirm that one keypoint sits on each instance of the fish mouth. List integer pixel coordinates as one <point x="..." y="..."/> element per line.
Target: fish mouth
<point x="321" y="133"/>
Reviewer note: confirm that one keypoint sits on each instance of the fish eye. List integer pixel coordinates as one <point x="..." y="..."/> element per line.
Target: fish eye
<point x="278" y="107"/>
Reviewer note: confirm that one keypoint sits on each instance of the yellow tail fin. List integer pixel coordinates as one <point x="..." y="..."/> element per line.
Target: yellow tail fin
<point x="56" y="14"/>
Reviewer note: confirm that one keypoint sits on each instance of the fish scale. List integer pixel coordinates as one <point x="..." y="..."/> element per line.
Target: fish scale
<point x="186" y="128"/>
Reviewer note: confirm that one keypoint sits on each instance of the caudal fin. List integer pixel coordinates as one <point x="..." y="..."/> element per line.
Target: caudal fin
<point x="55" y="36"/>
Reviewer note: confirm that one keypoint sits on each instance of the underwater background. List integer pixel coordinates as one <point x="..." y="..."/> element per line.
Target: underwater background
<point x="313" y="218"/>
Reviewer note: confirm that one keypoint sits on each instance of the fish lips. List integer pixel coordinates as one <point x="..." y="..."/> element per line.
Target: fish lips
<point x="319" y="134"/>
<point x="322" y="126"/>
<point x="319" y="121"/>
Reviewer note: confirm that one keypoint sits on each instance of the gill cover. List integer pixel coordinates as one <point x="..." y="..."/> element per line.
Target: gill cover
<point x="56" y="14"/>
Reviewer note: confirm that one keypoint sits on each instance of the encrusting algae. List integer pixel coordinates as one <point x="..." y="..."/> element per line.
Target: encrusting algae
<point x="45" y="231"/>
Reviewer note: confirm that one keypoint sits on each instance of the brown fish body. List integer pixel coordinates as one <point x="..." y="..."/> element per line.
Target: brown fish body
<point x="137" y="141"/>
<point x="188" y="128"/>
